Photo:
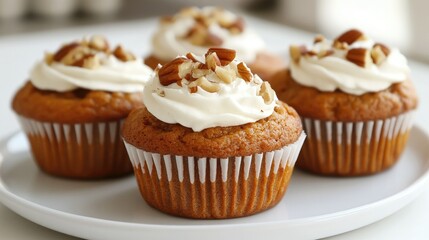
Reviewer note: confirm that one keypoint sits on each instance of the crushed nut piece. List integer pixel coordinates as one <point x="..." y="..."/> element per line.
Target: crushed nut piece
<point x="377" y="55"/>
<point x="244" y="72"/>
<point x="169" y="73"/>
<point x="225" y="75"/>
<point x="296" y="52"/>
<point x="205" y="84"/>
<point x="89" y="61"/>
<point x="225" y="55"/>
<point x="351" y="36"/>
<point x="123" y="55"/>
<point x="192" y="57"/>
<point x="99" y="43"/>
<point x="266" y="92"/>
<point x="64" y="50"/>
<point x="359" y="56"/>
<point x="340" y="45"/>
<point x="383" y="48"/>
<point x="318" y="39"/>
<point x="212" y="61"/>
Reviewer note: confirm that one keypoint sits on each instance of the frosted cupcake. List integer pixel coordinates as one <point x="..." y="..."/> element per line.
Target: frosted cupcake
<point x="73" y="106"/>
<point x="197" y="29"/>
<point x="213" y="141"/>
<point x="356" y="101"/>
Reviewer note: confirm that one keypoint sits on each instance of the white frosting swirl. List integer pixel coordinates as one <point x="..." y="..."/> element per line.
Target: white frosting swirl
<point x="168" y="41"/>
<point x="336" y="72"/>
<point x="234" y="104"/>
<point x="112" y="75"/>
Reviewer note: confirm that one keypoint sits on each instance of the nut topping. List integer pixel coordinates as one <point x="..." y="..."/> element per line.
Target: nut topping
<point x="225" y="75"/>
<point x="192" y="57"/>
<point x="169" y="73"/>
<point x="383" y="48"/>
<point x="64" y="50"/>
<point x="377" y="55"/>
<point x="359" y="56"/>
<point x="212" y="61"/>
<point x="86" y="53"/>
<point x="318" y="39"/>
<point x="266" y="92"/>
<point x="350" y="37"/>
<point x="123" y="55"/>
<point x="205" y="84"/>
<point x="199" y="33"/>
<point x="296" y="52"/>
<point x="225" y="55"/>
<point x="244" y="72"/>
<point x="99" y="43"/>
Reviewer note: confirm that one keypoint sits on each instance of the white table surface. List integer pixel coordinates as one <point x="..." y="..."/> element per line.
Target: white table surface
<point x="19" y="52"/>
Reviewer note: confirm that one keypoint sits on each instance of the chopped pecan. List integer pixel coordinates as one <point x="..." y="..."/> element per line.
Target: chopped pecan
<point x="266" y="92"/>
<point x="99" y="43"/>
<point x="212" y="61"/>
<point x="225" y="55"/>
<point x="244" y="72"/>
<point x="169" y="73"/>
<point x="296" y="52"/>
<point x="351" y="36"/>
<point x="359" y="56"/>
<point x="205" y="84"/>
<point x="123" y="55"/>
<point x="64" y="50"/>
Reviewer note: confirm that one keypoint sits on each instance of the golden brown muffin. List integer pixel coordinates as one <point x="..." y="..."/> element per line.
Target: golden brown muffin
<point x="340" y="106"/>
<point x="216" y="171"/>
<point x="76" y="133"/>
<point x="358" y="132"/>
<point x="282" y="128"/>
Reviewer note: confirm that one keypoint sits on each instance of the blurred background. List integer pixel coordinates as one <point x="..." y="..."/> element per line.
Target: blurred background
<point x="399" y="23"/>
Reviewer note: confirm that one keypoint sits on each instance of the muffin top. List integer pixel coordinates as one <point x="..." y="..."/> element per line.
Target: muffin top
<point x="146" y="132"/>
<point x="211" y="91"/>
<point x="211" y="106"/>
<point x="351" y="78"/>
<point x="196" y="29"/>
<point x="84" y="81"/>
<point x="90" y="64"/>
<point x="352" y="63"/>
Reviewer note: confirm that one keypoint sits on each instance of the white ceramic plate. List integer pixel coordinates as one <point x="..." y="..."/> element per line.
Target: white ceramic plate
<point x="314" y="207"/>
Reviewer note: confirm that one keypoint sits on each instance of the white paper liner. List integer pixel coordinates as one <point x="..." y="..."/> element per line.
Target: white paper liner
<point x="217" y="188"/>
<point x="356" y="148"/>
<point x="207" y="167"/>
<point x="85" y="150"/>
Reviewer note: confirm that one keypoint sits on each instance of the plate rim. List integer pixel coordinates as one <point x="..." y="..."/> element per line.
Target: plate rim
<point x="12" y="201"/>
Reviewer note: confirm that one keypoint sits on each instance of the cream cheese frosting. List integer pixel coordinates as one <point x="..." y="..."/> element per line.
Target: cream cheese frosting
<point x="170" y="39"/>
<point x="110" y="74"/>
<point x="231" y="104"/>
<point x="338" y="71"/>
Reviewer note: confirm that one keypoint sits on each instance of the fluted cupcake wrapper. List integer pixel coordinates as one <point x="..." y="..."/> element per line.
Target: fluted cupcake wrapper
<point x="354" y="148"/>
<point x="214" y="187"/>
<point x="83" y="151"/>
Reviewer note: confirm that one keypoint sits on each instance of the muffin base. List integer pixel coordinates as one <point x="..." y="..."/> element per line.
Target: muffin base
<point x="80" y="151"/>
<point x="353" y="148"/>
<point x="214" y="188"/>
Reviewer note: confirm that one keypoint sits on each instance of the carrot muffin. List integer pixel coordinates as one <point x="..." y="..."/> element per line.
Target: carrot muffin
<point x="196" y="29"/>
<point x="74" y="104"/>
<point x="356" y="100"/>
<point x="213" y="141"/>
